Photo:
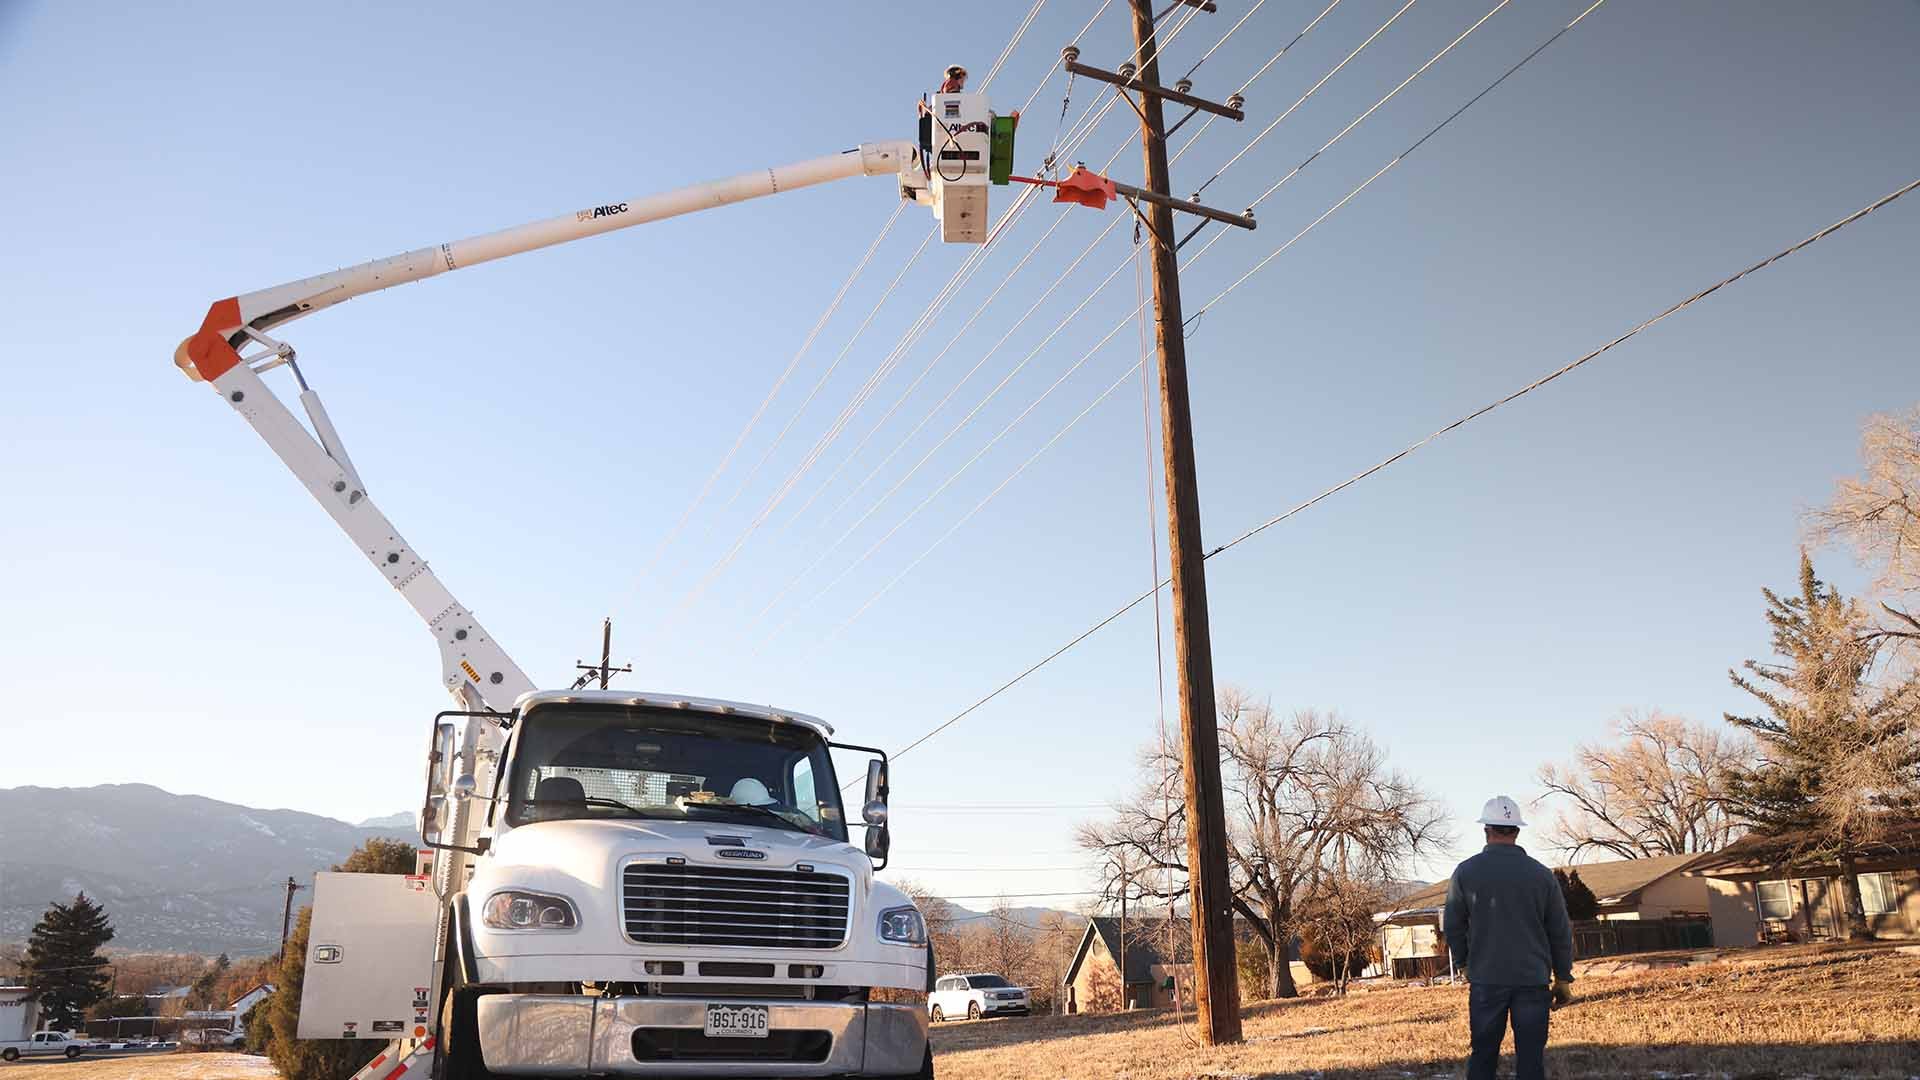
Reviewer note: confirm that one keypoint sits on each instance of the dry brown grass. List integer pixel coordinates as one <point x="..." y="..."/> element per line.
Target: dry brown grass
<point x="1777" y="1013"/>
<point x="159" y="1066"/>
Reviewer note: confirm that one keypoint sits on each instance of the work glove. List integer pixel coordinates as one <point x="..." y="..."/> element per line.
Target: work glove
<point x="1562" y="992"/>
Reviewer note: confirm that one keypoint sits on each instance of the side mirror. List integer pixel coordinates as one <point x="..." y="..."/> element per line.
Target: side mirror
<point x="876" y="787"/>
<point x="877" y="843"/>
<point x="463" y="787"/>
<point x="434" y="819"/>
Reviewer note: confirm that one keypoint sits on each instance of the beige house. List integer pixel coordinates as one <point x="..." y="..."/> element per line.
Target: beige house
<point x="1159" y="966"/>
<point x="1629" y="890"/>
<point x="1758" y="893"/>
<point x="1155" y="973"/>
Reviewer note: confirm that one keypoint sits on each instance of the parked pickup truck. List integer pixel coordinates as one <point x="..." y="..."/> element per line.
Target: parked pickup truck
<point x="45" y="1043"/>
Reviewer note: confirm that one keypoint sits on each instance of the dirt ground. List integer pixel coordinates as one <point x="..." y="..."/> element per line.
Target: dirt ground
<point x="1753" y="1014"/>
<point x="157" y="1066"/>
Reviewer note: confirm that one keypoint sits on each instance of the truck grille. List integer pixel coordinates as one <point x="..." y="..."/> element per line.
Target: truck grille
<point x="712" y="905"/>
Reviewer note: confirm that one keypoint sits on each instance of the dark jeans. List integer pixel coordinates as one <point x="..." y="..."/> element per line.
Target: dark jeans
<point x="1489" y="1009"/>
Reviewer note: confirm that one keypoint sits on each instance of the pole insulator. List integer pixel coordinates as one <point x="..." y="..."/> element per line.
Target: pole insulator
<point x="1070" y="54"/>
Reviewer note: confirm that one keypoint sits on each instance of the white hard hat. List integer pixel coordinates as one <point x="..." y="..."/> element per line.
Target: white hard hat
<point x="1501" y="810"/>
<point x="750" y="792"/>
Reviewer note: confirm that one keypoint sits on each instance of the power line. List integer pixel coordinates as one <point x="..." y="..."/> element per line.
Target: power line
<point x="822" y="555"/>
<point x="1018" y="33"/>
<point x="1397" y="159"/>
<point x="727" y="459"/>
<point x="1095" y="17"/>
<point x="1021" y="895"/>
<point x="1564" y="369"/>
<point x="1073" y="141"/>
<point x="1255" y="77"/>
<point x="753" y="421"/>
<point x="1208" y="246"/>
<point x="774" y="501"/>
<point x="977" y="507"/>
<point x="927" y="370"/>
<point x="1312" y="90"/>
<point x="1409" y="450"/>
<point x="1355" y="122"/>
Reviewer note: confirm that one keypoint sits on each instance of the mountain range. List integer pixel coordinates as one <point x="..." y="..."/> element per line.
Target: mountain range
<point x="176" y="873"/>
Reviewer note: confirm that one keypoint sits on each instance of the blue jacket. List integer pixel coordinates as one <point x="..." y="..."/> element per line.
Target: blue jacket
<point x="1506" y="920"/>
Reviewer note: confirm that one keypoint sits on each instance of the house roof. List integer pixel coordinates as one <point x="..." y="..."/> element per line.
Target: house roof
<point x="268" y="987"/>
<point x="1615" y="882"/>
<point x="1756" y="852"/>
<point x="1146" y="944"/>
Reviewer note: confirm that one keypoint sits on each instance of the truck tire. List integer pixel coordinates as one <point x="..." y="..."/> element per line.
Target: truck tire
<point x="938" y="1016"/>
<point x="9" y="1054"/>
<point x="973" y="1010"/>
<point x="72" y="1052"/>
<point x="456" y="1050"/>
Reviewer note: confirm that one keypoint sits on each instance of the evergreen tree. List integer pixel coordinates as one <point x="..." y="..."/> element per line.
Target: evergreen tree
<point x="64" y="965"/>
<point x="206" y="988"/>
<point x="1581" y="903"/>
<point x="1839" y="755"/>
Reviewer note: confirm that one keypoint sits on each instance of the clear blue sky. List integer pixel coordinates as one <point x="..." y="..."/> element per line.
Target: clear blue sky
<point x="179" y="612"/>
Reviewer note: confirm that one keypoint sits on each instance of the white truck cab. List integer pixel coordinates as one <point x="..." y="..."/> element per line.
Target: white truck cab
<point x="647" y="885"/>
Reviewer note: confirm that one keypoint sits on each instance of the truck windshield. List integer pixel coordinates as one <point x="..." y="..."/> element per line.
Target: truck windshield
<point x="611" y="762"/>
<point x="987" y="982"/>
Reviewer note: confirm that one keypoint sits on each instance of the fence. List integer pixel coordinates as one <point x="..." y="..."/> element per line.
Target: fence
<point x="1614" y="937"/>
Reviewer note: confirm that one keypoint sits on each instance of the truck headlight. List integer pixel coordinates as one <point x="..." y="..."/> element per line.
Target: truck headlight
<point x="517" y="909"/>
<point x="903" y="926"/>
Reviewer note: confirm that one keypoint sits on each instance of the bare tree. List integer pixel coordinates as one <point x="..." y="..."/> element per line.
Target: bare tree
<point x="1006" y="944"/>
<point x="1878" y="514"/>
<point x="1306" y="795"/>
<point x="1659" y="789"/>
<point x="1336" y="922"/>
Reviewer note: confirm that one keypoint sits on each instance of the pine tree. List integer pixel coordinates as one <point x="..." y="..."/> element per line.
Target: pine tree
<point x="206" y="988"/>
<point x="1581" y="903"/>
<point x="1838" y="752"/>
<point x="64" y="965"/>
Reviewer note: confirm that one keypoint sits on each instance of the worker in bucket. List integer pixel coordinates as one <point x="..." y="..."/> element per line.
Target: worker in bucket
<point x="1506" y="926"/>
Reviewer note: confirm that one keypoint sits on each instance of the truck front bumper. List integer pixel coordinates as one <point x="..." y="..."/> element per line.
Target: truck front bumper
<point x="566" y="1035"/>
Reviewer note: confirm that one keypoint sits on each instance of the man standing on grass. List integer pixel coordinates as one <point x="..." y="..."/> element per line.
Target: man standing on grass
<point x="1506" y="926"/>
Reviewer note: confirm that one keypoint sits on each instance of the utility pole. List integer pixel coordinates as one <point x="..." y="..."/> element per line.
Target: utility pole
<point x="1216" y="977"/>
<point x="604" y="669"/>
<point x="286" y="914"/>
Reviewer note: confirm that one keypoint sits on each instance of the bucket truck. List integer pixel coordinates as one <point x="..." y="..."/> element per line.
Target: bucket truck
<point x="612" y="882"/>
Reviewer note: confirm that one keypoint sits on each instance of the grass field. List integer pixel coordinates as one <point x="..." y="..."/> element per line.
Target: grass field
<point x="162" y="1066"/>
<point x="1758" y="1014"/>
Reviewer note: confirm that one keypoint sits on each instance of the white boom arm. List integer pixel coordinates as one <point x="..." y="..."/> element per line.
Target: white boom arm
<point x="474" y="668"/>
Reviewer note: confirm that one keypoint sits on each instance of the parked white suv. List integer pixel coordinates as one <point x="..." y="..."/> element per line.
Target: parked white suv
<point x="975" y="996"/>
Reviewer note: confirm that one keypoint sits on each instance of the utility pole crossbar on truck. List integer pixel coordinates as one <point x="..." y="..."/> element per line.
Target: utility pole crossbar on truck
<point x="612" y="883"/>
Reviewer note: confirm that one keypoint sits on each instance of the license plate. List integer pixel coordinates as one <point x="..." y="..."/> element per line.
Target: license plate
<point x="737" y="1021"/>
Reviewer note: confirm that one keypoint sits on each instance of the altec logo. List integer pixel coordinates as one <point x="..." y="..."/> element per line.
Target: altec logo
<point x="740" y="853"/>
<point x="600" y="212"/>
